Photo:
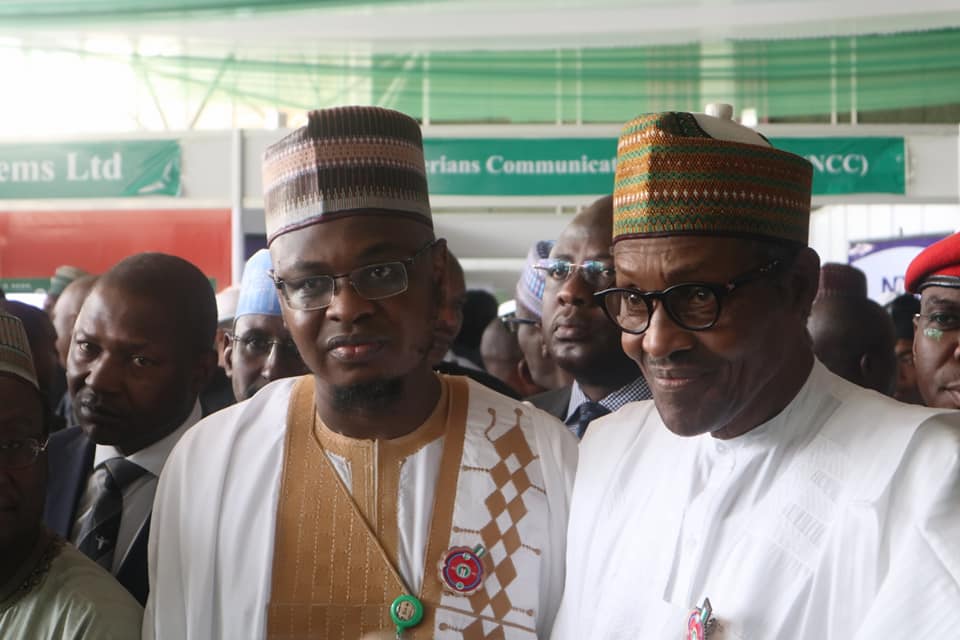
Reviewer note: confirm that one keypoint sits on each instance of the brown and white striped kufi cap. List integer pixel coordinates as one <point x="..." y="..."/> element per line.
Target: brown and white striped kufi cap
<point x="346" y="161"/>
<point x="15" y="356"/>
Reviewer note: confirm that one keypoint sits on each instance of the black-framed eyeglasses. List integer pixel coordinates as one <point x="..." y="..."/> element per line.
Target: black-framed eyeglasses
<point x="943" y="321"/>
<point x="513" y="323"/>
<point x="594" y="272"/>
<point x="257" y="345"/>
<point x="695" y="306"/>
<point x="20" y="453"/>
<point x="371" y="282"/>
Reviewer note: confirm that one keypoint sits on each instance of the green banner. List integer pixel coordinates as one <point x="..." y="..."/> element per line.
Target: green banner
<point x="118" y="169"/>
<point x="585" y="166"/>
<point x="843" y="166"/>
<point x="40" y="285"/>
<point x="24" y="285"/>
<point x="520" y="166"/>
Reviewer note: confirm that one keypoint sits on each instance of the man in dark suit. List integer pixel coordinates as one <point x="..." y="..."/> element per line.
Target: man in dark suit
<point x="581" y="340"/>
<point x="141" y="352"/>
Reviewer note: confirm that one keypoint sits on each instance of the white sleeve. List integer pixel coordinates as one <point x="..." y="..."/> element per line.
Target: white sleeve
<point x="919" y="596"/>
<point x="165" y="614"/>
<point x="558" y="462"/>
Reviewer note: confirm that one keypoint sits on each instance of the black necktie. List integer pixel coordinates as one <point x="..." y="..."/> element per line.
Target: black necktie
<point x="98" y="527"/>
<point x="584" y="415"/>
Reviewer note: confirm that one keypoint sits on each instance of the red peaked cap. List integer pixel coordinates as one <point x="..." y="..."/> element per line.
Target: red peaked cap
<point x="938" y="264"/>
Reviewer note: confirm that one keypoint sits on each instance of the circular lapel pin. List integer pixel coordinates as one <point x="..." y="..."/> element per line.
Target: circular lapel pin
<point x="462" y="569"/>
<point x="406" y="612"/>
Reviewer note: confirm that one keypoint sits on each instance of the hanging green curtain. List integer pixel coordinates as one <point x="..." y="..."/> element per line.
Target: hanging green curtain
<point x="781" y="79"/>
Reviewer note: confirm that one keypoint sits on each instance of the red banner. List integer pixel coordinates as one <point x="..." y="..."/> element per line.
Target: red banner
<point x="34" y="244"/>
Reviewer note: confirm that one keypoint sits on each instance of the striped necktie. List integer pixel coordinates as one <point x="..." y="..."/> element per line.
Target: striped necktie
<point x="98" y="527"/>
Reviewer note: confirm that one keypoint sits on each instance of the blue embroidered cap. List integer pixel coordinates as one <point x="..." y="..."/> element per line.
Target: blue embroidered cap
<point x="258" y="293"/>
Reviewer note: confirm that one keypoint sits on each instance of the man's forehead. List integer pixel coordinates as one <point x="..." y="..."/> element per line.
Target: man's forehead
<point x="115" y="314"/>
<point x="681" y="253"/>
<point x="932" y="296"/>
<point x="577" y="236"/>
<point x="261" y="322"/>
<point x="351" y="241"/>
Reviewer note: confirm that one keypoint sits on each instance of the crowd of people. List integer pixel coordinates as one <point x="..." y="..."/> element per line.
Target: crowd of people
<point x="682" y="425"/>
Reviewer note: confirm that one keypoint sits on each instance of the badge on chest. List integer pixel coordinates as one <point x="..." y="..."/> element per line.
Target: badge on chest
<point x="461" y="569"/>
<point x="701" y="622"/>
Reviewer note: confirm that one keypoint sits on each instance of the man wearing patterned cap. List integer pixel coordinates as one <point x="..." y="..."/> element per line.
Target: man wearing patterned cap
<point x="852" y="335"/>
<point x="935" y="275"/>
<point x="759" y="495"/>
<point x="372" y="495"/>
<point x="537" y="366"/>
<point x="48" y="589"/>
<point x="62" y="277"/>
<point x="259" y="349"/>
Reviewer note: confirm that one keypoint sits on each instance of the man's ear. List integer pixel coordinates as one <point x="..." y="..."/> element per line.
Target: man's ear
<point x="529" y="387"/>
<point x="227" y="354"/>
<point x="204" y="369"/>
<point x="523" y="370"/>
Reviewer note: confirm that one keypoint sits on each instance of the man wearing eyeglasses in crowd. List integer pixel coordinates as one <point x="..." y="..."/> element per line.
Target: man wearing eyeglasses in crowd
<point x="48" y="589"/>
<point x="373" y="495"/>
<point x="759" y="495"/>
<point x="259" y="349"/>
<point x="577" y="335"/>
<point x="537" y="366"/>
<point x="935" y="275"/>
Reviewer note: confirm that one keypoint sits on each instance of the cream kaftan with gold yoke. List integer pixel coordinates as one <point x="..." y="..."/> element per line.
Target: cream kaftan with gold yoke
<point x="213" y="568"/>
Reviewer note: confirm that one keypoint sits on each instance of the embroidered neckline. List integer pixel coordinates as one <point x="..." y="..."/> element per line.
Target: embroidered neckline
<point x="46" y="550"/>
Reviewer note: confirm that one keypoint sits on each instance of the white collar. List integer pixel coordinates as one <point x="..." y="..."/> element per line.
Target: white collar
<point x="792" y="422"/>
<point x="153" y="457"/>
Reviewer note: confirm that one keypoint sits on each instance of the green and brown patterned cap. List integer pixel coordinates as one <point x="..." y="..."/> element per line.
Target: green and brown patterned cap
<point x="345" y="161"/>
<point x="684" y="173"/>
<point x="15" y="356"/>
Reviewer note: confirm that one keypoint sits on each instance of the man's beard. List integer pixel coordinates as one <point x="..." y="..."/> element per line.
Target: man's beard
<point x="368" y="396"/>
<point x="378" y="395"/>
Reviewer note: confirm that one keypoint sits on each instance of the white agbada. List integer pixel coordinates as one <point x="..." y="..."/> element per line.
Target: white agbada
<point x="838" y="519"/>
<point x="212" y="540"/>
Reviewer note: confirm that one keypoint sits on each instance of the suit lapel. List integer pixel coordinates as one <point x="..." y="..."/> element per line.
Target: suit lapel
<point x="132" y="573"/>
<point x="554" y="402"/>
<point x="70" y="462"/>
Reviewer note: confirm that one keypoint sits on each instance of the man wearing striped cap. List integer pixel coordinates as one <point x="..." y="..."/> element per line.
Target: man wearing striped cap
<point x="759" y="495"/>
<point x="537" y="367"/>
<point x="371" y="495"/>
<point x="60" y="280"/>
